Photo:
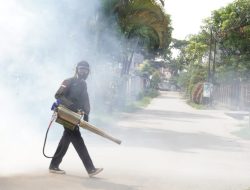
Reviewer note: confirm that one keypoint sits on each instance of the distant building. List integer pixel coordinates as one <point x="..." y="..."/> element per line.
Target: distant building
<point x="165" y="73"/>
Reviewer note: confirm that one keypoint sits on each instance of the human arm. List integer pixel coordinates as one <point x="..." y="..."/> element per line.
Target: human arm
<point x="61" y="93"/>
<point x="85" y="104"/>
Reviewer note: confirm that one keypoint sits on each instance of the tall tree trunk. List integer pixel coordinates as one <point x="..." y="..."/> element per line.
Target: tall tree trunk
<point x="132" y="55"/>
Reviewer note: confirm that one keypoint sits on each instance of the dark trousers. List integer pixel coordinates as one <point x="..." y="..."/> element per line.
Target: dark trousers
<point x="75" y="137"/>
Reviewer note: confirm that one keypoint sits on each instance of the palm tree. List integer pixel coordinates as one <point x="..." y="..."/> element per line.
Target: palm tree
<point x="145" y="19"/>
<point x="145" y="24"/>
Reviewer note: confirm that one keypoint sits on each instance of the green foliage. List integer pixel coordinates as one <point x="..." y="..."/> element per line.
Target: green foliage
<point x="196" y="106"/>
<point x="137" y="105"/>
<point x="197" y="74"/>
<point x="144" y="99"/>
<point x="183" y="81"/>
<point x="150" y="70"/>
<point x="232" y="24"/>
<point x="156" y="79"/>
<point x="243" y="132"/>
<point x="146" y="20"/>
<point x="143" y="24"/>
<point x="130" y="108"/>
<point x="146" y="68"/>
<point x="230" y="28"/>
<point x="187" y="80"/>
<point x="152" y="93"/>
<point x="173" y="81"/>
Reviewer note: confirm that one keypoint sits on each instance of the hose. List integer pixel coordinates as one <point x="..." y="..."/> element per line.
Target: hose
<point x="53" y="118"/>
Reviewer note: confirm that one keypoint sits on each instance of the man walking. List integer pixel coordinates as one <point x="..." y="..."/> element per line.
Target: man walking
<point x="73" y="95"/>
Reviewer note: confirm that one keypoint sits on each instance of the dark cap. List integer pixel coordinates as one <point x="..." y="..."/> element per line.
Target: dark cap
<point x="83" y="64"/>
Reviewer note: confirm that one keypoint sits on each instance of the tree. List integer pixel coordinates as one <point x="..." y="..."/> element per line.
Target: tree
<point x="150" y="70"/>
<point x="146" y="26"/>
<point x="232" y="27"/>
<point x="227" y="33"/>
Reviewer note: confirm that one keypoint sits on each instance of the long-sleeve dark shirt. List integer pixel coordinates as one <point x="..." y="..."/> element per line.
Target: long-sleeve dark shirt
<point x="73" y="94"/>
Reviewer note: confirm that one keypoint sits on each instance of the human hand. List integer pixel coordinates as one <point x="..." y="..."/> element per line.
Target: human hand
<point x="80" y="112"/>
<point x="86" y="117"/>
<point x="55" y="104"/>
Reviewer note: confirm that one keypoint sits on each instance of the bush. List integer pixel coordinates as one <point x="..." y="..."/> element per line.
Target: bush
<point x="152" y="93"/>
<point x="156" y="79"/>
<point x="183" y="81"/>
<point x="143" y="100"/>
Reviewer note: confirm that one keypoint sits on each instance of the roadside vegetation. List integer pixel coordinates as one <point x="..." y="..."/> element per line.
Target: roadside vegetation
<point x="219" y="53"/>
<point x="143" y="100"/>
<point x="142" y="27"/>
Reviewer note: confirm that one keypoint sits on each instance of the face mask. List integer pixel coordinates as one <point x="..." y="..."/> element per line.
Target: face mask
<point x="82" y="73"/>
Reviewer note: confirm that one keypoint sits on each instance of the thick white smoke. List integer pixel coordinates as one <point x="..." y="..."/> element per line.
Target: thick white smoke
<point x="40" y="43"/>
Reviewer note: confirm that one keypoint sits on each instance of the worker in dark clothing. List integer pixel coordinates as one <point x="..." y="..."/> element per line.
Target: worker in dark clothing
<point x="73" y="95"/>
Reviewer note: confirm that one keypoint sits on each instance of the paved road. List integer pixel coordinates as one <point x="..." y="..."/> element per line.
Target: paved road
<point x="167" y="146"/>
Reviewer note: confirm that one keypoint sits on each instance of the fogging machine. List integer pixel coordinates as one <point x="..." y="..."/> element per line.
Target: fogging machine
<point x="70" y="119"/>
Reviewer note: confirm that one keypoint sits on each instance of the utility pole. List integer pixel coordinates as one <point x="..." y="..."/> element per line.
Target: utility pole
<point x="214" y="60"/>
<point x="211" y="77"/>
<point x="210" y="54"/>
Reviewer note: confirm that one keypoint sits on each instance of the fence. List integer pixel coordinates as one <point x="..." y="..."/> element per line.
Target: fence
<point x="236" y="96"/>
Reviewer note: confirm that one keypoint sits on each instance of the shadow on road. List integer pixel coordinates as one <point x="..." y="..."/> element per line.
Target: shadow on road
<point x="167" y="140"/>
<point x="97" y="183"/>
<point x="138" y="132"/>
<point x="59" y="182"/>
<point x="140" y="129"/>
<point x="170" y="114"/>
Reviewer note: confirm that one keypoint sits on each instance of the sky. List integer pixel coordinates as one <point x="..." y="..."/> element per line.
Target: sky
<point x="187" y="16"/>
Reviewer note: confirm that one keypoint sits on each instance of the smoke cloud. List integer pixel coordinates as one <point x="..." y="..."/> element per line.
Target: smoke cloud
<point x="40" y="44"/>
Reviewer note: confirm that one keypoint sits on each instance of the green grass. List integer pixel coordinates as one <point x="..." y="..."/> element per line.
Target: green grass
<point x="138" y="104"/>
<point x="144" y="100"/>
<point x="196" y="106"/>
<point x="243" y="132"/>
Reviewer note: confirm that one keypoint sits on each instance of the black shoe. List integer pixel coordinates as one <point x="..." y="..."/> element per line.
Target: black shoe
<point x="56" y="170"/>
<point x="95" y="172"/>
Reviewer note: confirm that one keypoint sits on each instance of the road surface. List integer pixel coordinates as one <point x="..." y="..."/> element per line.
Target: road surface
<point x="166" y="146"/>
